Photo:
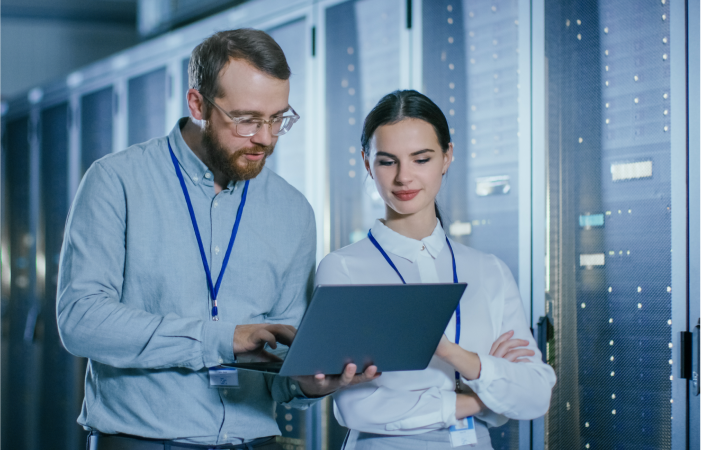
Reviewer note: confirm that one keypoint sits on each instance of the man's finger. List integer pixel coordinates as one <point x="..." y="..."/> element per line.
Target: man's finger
<point x="284" y="334"/>
<point x="262" y="335"/>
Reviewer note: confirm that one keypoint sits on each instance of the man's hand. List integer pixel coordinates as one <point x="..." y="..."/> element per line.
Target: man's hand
<point x="320" y="384"/>
<point x="511" y="349"/>
<point x="250" y="340"/>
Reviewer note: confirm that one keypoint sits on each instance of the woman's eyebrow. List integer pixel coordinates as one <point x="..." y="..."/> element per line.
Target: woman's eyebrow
<point x="418" y="152"/>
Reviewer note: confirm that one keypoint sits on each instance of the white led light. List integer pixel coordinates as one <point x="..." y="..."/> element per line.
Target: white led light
<point x="635" y="77"/>
<point x="611" y="358"/>
<point x="669" y="288"/>
<point x="613" y="373"/>
<point x="350" y="50"/>
<point x="670" y="345"/>
<point x="592" y="259"/>
<point x="665" y="112"/>
<point x="450" y="20"/>
<point x="636" y="100"/>
<point x="664" y="56"/>
<point x="579" y="37"/>
<point x="631" y="171"/>
<point x="581" y="140"/>
<point x="586" y="424"/>
<point x="452" y="112"/>
<point x="606" y="30"/>
<point x="640" y="289"/>
<point x="474" y="141"/>
<point x="664" y="40"/>
<point x="669" y="322"/>
<point x="452" y="99"/>
<point x="611" y="320"/>
<point x="351" y="67"/>
<point x="606" y="52"/>
<point x="670" y="362"/>
<point x="610" y="289"/>
<point x="351" y="121"/>
<point x="458" y="228"/>
<point x="640" y="306"/>
<point x="613" y="396"/>
<point x="451" y="40"/>
<point x="611" y="343"/>
<point x="607" y="121"/>
<point x="450" y="8"/>
<point x="664" y="16"/>
<point x="451" y="66"/>
<point x="579" y="22"/>
<point x="351" y="161"/>
<point x="613" y="412"/>
<point x="567" y="22"/>
<point x="671" y="378"/>
<point x="451" y="85"/>
<point x="666" y="128"/>
<point x="584" y="305"/>
<point x="665" y="95"/>
<point x="607" y="105"/>
<point x="351" y="173"/>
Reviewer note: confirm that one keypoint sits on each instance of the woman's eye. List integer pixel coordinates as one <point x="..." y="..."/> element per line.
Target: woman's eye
<point x="386" y="163"/>
<point x="423" y="161"/>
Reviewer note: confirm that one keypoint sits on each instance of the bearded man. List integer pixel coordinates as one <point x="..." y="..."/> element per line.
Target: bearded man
<point x="184" y="253"/>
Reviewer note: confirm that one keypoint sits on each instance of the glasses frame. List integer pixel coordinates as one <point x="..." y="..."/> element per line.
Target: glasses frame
<point x="237" y="120"/>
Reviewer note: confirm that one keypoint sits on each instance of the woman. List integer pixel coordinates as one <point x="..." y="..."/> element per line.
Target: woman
<point x="494" y="371"/>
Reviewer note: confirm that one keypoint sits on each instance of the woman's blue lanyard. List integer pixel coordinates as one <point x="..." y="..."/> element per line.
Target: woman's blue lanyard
<point x="455" y="280"/>
<point x="213" y="289"/>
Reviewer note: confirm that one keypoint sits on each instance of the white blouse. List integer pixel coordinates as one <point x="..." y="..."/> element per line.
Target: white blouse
<point x="414" y="402"/>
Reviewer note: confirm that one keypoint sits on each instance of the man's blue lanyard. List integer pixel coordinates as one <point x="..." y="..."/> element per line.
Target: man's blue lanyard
<point x="455" y="280"/>
<point x="213" y="289"/>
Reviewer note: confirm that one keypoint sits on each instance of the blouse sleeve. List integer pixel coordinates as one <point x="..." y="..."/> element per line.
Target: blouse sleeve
<point x="521" y="390"/>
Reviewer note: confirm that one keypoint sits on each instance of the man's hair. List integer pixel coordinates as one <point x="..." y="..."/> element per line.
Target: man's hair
<point x="214" y="53"/>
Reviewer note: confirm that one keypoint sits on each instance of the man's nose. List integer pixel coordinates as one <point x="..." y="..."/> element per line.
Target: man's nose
<point x="264" y="135"/>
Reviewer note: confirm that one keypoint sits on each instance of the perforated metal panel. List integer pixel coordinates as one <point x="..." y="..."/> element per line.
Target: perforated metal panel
<point x="471" y="72"/>
<point x="609" y="277"/>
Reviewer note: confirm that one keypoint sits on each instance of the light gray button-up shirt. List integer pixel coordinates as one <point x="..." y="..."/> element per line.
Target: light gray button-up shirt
<point x="133" y="296"/>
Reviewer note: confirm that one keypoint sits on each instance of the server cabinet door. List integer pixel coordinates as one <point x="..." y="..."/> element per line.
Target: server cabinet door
<point x="289" y="159"/>
<point x="96" y="126"/>
<point x="147" y="104"/>
<point x="470" y="69"/>
<point x="362" y="42"/>
<point x="60" y="375"/>
<point x="20" y="386"/>
<point x="608" y="215"/>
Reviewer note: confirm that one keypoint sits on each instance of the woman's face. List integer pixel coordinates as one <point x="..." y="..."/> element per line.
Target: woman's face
<point x="407" y="164"/>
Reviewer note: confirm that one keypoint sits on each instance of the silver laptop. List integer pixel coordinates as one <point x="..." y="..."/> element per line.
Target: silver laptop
<point x="395" y="327"/>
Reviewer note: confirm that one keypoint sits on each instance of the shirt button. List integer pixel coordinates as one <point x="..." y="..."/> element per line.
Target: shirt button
<point x="221" y="361"/>
<point x="216" y="203"/>
<point x="208" y="175"/>
<point x="293" y="387"/>
<point x="216" y="250"/>
<point x="226" y="436"/>
<point x="195" y="179"/>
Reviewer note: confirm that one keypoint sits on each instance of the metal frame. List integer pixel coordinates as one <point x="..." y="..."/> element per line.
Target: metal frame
<point x="694" y="174"/>
<point x="678" y="112"/>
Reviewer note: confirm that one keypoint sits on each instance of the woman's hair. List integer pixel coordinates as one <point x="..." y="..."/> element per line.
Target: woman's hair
<point x="409" y="104"/>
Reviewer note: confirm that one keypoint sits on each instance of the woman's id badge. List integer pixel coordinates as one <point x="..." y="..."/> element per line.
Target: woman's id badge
<point x="463" y="433"/>
<point x="223" y="377"/>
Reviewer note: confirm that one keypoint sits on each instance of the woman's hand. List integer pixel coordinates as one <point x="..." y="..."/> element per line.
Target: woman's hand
<point x="508" y="348"/>
<point x="468" y="404"/>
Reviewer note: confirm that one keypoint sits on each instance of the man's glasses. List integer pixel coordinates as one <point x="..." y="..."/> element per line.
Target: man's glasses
<point x="249" y="126"/>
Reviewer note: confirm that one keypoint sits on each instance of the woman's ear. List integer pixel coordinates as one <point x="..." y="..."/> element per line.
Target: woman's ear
<point x="366" y="162"/>
<point x="447" y="158"/>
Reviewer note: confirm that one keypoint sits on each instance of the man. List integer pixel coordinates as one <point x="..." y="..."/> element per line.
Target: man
<point x="183" y="253"/>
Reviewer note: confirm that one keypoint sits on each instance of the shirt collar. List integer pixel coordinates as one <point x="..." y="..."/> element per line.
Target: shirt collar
<point x="193" y="166"/>
<point x="406" y="247"/>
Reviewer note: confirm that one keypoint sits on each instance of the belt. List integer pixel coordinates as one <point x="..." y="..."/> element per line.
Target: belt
<point x="99" y="441"/>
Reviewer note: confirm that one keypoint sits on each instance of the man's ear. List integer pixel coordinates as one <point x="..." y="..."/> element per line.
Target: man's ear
<point x="195" y="103"/>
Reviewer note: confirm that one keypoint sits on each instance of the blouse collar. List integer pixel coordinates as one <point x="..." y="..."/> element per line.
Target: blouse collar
<point x="406" y="247"/>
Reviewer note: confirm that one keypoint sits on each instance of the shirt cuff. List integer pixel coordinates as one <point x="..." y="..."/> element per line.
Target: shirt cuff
<point x="299" y="400"/>
<point x="218" y="343"/>
<point x="481" y="386"/>
<point x="449" y="407"/>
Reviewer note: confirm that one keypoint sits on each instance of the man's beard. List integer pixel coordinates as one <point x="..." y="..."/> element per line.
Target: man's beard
<point x="234" y="166"/>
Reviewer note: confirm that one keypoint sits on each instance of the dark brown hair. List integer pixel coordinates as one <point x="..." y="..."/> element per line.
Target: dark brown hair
<point x="253" y="46"/>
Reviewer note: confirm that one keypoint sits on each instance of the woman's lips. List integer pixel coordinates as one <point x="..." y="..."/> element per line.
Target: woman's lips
<point x="406" y="195"/>
<point x="254" y="156"/>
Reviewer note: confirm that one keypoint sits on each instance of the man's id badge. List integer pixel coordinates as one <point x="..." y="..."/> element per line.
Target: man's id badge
<point x="223" y="377"/>
<point x="463" y="433"/>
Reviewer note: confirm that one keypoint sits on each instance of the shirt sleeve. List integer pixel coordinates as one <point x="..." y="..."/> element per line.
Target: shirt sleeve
<point x="521" y="390"/>
<point x="92" y="321"/>
<point x="295" y="294"/>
